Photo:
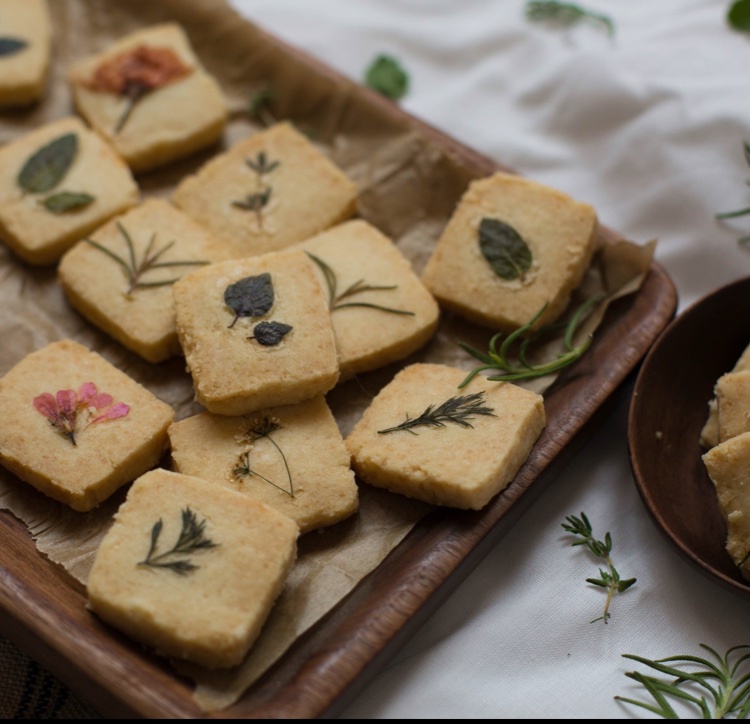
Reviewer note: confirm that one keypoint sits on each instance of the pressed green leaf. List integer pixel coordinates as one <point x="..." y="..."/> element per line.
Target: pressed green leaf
<point x="47" y="166"/>
<point x="739" y="15"/>
<point x="11" y="46"/>
<point x="504" y="248"/>
<point x="250" y="297"/>
<point x="67" y="201"/>
<point x="269" y="334"/>
<point x="387" y="77"/>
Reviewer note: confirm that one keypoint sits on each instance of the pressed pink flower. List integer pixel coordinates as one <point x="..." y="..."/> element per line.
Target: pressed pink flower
<point x="70" y="413"/>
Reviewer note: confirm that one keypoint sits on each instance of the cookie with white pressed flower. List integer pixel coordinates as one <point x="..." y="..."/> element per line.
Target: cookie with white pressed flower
<point x="291" y="458"/>
<point x="267" y="192"/>
<point x="191" y="569"/>
<point x="58" y="183"/>
<point x="120" y="277"/>
<point x="256" y="333"/>
<point x="511" y="247"/>
<point x="424" y="437"/>
<point x="25" y="49"/>
<point x="150" y="96"/>
<point x="380" y="310"/>
<point x="77" y="428"/>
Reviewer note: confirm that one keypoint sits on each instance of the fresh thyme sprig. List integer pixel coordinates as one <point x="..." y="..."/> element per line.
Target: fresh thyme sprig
<point x="257" y="201"/>
<point x="335" y="300"/>
<point x="135" y="269"/>
<point x="739" y="212"/>
<point x="567" y="15"/>
<point x="731" y="695"/>
<point x="263" y="430"/>
<point x="609" y="579"/>
<point x="456" y="410"/>
<point x="522" y="369"/>
<point x="192" y="538"/>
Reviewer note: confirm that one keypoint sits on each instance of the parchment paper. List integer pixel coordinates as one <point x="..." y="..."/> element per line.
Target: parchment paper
<point x="408" y="188"/>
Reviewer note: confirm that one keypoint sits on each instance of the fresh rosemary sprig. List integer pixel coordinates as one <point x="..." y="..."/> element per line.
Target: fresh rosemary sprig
<point x="335" y="300"/>
<point x="609" y="579"/>
<point x="730" y="695"/>
<point x="567" y="15"/>
<point x="263" y="430"/>
<point x="521" y="369"/>
<point x="192" y="538"/>
<point x="457" y="410"/>
<point x="135" y="269"/>
<point x="740" y="212"/>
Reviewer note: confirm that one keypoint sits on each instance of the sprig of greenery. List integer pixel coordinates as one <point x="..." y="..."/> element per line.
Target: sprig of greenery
<point x="738" y="15"/>
<point x="259" y="431"/>
<point x="740" y="212"/>
<point x="609" y="579"/>
<point x="259" y="107"/>
<point x="386" y="75"/>
<point x="498" y="358"/>
<point x="730" y="696"/>
<point x="567" y="15"/>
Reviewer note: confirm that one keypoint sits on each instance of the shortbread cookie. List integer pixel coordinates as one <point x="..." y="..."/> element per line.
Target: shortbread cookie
<point x="733" y="404"/>
<point x="256" y="333"/>
<point x="204" y="600"/>
<point x="728" y="467"/>
<point x="424" y="438"/>
<point x="77" y="428"/>
<point x="381" y="311"/>
<point x="269" y="191"/>
<point x="25" y="46"/>
<point x="511" y="247"/>
<point x="291" y="458"/>
<point x="120" y="278"/>
<point x="150" y="96"/>
<point x="57" y="184"/>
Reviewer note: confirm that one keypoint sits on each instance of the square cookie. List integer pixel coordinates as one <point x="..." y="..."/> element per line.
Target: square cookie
<point x="380" y="310"/>
<point x="268" y="191"/>
<point x="57" y="184"/>
<point x="511" y="246"/>
<point x="256" y="333"/>
<point x="120" y="278"/>
<point x="25" y="48"/>
<point x="150" y="96"/>
<point x="206" y="601"/>
<point x="424" y="438"/>
<point x="77" y="428"/>
<point x="291" y="458"/>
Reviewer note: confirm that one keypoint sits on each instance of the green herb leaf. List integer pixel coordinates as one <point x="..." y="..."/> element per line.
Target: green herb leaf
<point x="504" y="248"/>
<point x="250" y="297"/>
<point x="261" y="165"/>
<point x="566" y="15"/>
<point x="258" y="432"/>
<point x="47" y="166"/>
<point x="269" y="334"/>
<point x="259" y="107"/>
<point x="387" y="77"/>
<point x="11" y="46"/>
<point x="67" y="201"/>
<point x="739" y="15"/>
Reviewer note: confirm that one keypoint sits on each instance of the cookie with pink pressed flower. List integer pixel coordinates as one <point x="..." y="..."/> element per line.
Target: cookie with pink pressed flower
<point x="77" y="428"/>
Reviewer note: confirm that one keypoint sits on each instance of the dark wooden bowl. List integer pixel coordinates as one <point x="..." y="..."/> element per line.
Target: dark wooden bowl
<point x="668" y="410"/>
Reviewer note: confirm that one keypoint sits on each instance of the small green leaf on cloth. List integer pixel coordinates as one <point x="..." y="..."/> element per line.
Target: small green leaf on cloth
<point x="11" y="46"/>
<point x="47" y="166"/>
<point x="739" y="15"/>
<point x="67" y="201"/>
<point x="250" y="297"/>
<point x="504" y="248"/>
<point x="387" y="77"/>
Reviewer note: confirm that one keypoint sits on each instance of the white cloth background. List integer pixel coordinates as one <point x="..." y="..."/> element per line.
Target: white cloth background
<point x="649" y="130"/>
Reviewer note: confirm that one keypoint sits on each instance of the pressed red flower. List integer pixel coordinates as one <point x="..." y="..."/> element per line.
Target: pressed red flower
<point x="70" y="413"/>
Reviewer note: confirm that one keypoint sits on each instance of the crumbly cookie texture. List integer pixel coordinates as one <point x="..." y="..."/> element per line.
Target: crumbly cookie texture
<point x="728" y="467"/>
<point x="77" y="428"/>
<point x="179" y="107"/>
<point x="120" y="278"/>
<point x="24" y="65"/>
<point x="41" y="236"/>
<point x="256" y="333"/>
<point x="206" y="602"/>
<point x="291" y="458"/>
<point x="267" y="192"/>
<point x="559" y="232"/>
<point x="381" y="311"/>
<point x="460" y="464"/>
<point x="733" y="404"/>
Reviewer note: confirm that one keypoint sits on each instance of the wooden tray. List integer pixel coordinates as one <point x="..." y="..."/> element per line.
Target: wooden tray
<point x="43" y="608"/>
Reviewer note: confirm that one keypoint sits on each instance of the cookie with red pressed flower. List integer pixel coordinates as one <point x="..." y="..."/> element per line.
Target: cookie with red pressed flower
<point x="77" y="428"/>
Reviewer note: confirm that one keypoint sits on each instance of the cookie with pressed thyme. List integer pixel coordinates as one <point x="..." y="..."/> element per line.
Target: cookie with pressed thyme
<point x="291" y="458"/>
<point x="190" y="569"/>
<point x="77" y="428"/>
<point x="120" y="277"/>
<point x="424" y="438"/>
<point x="151" y="97"/>
<point x="58" y="183"/>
